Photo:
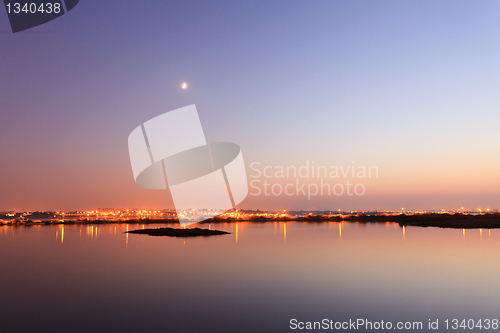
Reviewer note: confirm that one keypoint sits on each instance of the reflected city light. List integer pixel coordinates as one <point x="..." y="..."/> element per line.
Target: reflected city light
<point x="368" y="258"/>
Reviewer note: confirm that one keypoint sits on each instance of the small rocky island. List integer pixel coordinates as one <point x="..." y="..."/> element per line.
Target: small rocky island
<point x="175" y="232"/>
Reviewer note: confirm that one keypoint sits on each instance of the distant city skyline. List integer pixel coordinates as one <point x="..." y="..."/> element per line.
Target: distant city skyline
<point x="408" y="87"/>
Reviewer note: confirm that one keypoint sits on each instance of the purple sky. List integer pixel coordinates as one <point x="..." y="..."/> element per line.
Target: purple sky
<point x="409" y="87"/>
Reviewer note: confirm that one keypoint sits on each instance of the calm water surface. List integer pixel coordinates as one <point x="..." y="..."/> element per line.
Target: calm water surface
<point x="95" y="278"/>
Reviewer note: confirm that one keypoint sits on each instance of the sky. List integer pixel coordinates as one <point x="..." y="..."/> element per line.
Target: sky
<point x="409" y="87"/>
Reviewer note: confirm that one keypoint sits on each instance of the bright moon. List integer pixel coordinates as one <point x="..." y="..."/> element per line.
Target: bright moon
<point x="184" y="85"/>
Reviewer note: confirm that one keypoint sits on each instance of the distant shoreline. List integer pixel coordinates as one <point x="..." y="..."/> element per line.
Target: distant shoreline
<point x="456" y="221"/>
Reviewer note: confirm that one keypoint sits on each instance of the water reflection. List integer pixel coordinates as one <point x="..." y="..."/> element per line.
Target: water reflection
<point x="96" y="231"/>
<point x="355" y="271"/>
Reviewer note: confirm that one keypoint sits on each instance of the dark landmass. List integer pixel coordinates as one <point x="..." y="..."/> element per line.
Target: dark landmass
<point x="440" y="220"/>
<point x="444" y="220"/>
<point x="173" y="232"/>
<point x="457" y="221"/>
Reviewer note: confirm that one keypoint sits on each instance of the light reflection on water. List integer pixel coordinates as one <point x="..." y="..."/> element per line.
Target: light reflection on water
<point x="255" y="279"/>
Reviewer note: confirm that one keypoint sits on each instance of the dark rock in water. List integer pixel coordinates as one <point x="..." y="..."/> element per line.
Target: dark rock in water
<point x="173" y="232"/>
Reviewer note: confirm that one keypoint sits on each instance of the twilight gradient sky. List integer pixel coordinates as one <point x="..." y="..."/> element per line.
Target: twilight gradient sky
<point x="410" y="87"/>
